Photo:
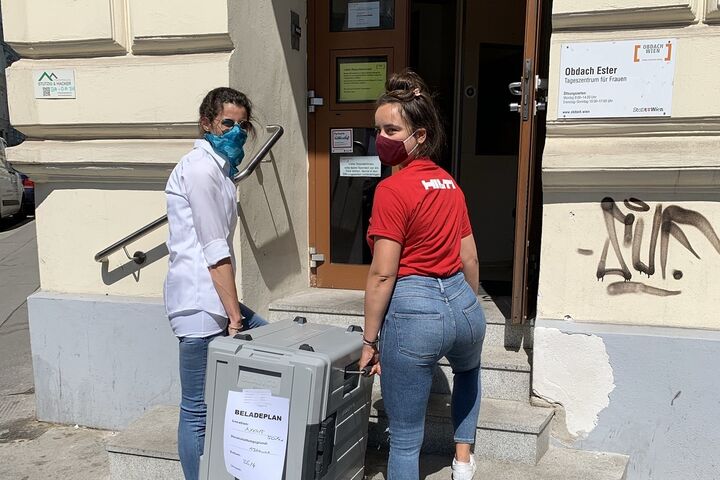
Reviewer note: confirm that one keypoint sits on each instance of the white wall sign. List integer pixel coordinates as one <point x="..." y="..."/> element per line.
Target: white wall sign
<point x="363" y="14"/>
<point x="54" y="83"/>
<point x="360" y="166"/>
<point x="631" y="78"/>
<point x="255" y="435"/>
<point x="342" y="140"/>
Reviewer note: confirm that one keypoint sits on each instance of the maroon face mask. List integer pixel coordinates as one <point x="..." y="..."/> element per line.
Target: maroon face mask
<point x="392" y="152"/>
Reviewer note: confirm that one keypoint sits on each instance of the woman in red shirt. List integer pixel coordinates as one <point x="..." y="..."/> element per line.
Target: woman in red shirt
<point x="420" y="297"/>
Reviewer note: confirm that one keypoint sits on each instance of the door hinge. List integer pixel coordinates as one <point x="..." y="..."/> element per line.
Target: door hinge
<point x="314" y="101"/>
<point x="315" y="258"/>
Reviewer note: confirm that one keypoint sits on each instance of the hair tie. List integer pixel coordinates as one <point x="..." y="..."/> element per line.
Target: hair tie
<point x="416" y="92"/>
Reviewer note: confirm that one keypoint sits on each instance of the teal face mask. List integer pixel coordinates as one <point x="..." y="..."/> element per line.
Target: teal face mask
<point x="229" y="145"/>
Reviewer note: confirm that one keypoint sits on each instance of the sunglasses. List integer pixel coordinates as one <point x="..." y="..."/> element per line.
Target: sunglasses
<point x="229" y="123"/>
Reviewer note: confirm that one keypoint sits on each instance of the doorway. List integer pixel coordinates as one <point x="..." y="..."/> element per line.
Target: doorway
<point x="468" y="52"/>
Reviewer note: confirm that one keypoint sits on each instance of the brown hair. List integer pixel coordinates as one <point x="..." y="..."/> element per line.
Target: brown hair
<point x="213" y="102"/>
<point x="418" y="108"/>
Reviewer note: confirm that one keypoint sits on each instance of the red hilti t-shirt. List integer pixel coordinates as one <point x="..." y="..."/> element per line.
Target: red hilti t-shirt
<point x="422" y="208"/>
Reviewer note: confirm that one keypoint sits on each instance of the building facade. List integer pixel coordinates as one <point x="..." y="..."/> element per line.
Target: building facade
<point x="602" y="231"/>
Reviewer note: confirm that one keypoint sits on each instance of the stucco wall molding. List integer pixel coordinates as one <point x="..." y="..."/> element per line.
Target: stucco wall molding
<point x="97" y="47"/>
<point x="712" y="11"/>
<point x="629" y="127"/>
<point x="175" y="44"/>
<point x="665" y="15"/>
<point x="75" y="31"/>
<point x="99" y="173"/>
<point x="639" y="180"/>
<point x="641" y="162"/>
<point x="99" y="161"/>
<point x="94" y="131"/>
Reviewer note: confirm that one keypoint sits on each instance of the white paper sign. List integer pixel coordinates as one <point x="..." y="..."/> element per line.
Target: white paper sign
<point x="54" y="83"/>
<point x="631" y="78"/>
<point x="255" y="435"/>
<point x="360" y="166"/>
<point x="342" y="140"/>
<point x="363" y="15"/>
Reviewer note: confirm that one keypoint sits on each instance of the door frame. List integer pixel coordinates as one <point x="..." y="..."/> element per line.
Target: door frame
<point x="325" y="274"/>
<point x="528" y="216"/>
<point x="532" y="130"/>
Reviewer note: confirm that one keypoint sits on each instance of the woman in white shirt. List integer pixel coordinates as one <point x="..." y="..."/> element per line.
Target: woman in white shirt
<point x="200" y="292"/>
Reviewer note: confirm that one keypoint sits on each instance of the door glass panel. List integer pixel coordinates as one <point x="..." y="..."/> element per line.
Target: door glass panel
<point x="354" y="173"/>
<point x="360" y="79"/>
<point x="352" y="15"/>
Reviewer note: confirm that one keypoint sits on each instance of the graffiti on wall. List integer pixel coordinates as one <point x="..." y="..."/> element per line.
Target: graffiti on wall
<point x="630" y="227"/>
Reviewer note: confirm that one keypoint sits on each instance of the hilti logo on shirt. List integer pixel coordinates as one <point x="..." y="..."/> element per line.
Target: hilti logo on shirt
<point x="438" y="184"/>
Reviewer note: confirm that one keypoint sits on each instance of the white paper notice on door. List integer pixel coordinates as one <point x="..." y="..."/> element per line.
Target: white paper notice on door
<point x="255" y="435"/>
<point x="363" y="15"/>
<point x="360" y="166"/>
<point x="342" y="140"/>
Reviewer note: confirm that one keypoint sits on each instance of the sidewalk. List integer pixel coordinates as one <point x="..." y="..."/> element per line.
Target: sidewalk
<point x="30" y="449"/>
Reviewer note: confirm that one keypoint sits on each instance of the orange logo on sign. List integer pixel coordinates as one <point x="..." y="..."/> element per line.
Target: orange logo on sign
<point x="636" y="54"/>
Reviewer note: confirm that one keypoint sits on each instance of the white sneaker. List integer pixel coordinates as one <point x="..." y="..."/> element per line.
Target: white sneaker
<point x="463" y="471"/>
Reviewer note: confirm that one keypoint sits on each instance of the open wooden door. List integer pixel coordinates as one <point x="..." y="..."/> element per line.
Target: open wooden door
<point x="354" y="46"/>
<point x="532" y="92"/>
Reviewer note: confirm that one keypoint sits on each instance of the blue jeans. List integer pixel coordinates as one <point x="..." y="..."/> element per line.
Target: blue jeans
<point x="427" y="319"/>
<point x="193" y="365"/>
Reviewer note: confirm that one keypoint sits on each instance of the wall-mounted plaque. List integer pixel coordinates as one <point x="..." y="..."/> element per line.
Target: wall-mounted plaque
<point x="632" y="78"/>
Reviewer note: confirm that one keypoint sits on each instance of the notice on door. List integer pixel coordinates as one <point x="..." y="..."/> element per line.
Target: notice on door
<point x="361" y="81"/>
<point x="59" y="83"/>
<point x="631" y="78"/>
<point x="255" y="435"/>
<point x="363" y="15"/>
<point x="341" y="140"/>
<point x="360" y="166"/>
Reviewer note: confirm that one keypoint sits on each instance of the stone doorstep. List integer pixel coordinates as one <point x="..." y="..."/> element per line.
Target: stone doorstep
<point x="148" y="449"/>
<point x="495" y="414"/>
<point x="505" y="375"/>
<point x="507" y="430"/>
<point x="345" y="307"/>
<point x="337" y="302"/>
<point x="557" y="464"/>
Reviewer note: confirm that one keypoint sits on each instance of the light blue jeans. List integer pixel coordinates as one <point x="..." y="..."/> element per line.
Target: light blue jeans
<point x="193" y="365"/>
<point x="427" y="319"/>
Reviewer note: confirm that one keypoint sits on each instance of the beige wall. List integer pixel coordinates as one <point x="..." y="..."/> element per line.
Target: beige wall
<point x="670" y="161"/>
<point x="273" y="226"/>
<point x="101" y="160"/>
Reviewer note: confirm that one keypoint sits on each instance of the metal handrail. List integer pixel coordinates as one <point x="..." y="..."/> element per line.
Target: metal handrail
<point x="139" y="257"/>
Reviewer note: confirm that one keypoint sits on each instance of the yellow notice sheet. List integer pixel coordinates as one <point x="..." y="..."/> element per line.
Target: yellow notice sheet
<point x="362" y="81"/>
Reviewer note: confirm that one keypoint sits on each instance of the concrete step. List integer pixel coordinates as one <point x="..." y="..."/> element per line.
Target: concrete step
<point x="557" y="464"/>
<point x="345" y="307"/>
<point x="507" y="430"/>
<point x="147" y="448"/>
<point x="505" y="374"/>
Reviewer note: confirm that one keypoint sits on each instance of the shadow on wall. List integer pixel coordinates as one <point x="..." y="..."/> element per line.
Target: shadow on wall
<point x="130" y="267"/>
<point x="278" y="257"/>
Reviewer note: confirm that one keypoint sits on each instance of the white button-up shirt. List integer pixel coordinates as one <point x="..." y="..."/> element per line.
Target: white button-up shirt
<point x="202" y="216"/>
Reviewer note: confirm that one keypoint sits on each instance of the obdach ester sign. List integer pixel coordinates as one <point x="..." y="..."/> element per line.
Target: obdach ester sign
<point x="632" y="78"/>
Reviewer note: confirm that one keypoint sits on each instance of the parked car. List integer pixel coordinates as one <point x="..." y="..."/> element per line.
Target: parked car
<point x="28" y="201"/>
<point x="11" y="188"/>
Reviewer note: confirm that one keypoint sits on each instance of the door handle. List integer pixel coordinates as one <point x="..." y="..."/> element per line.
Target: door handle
<point x="515" y="88"/>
